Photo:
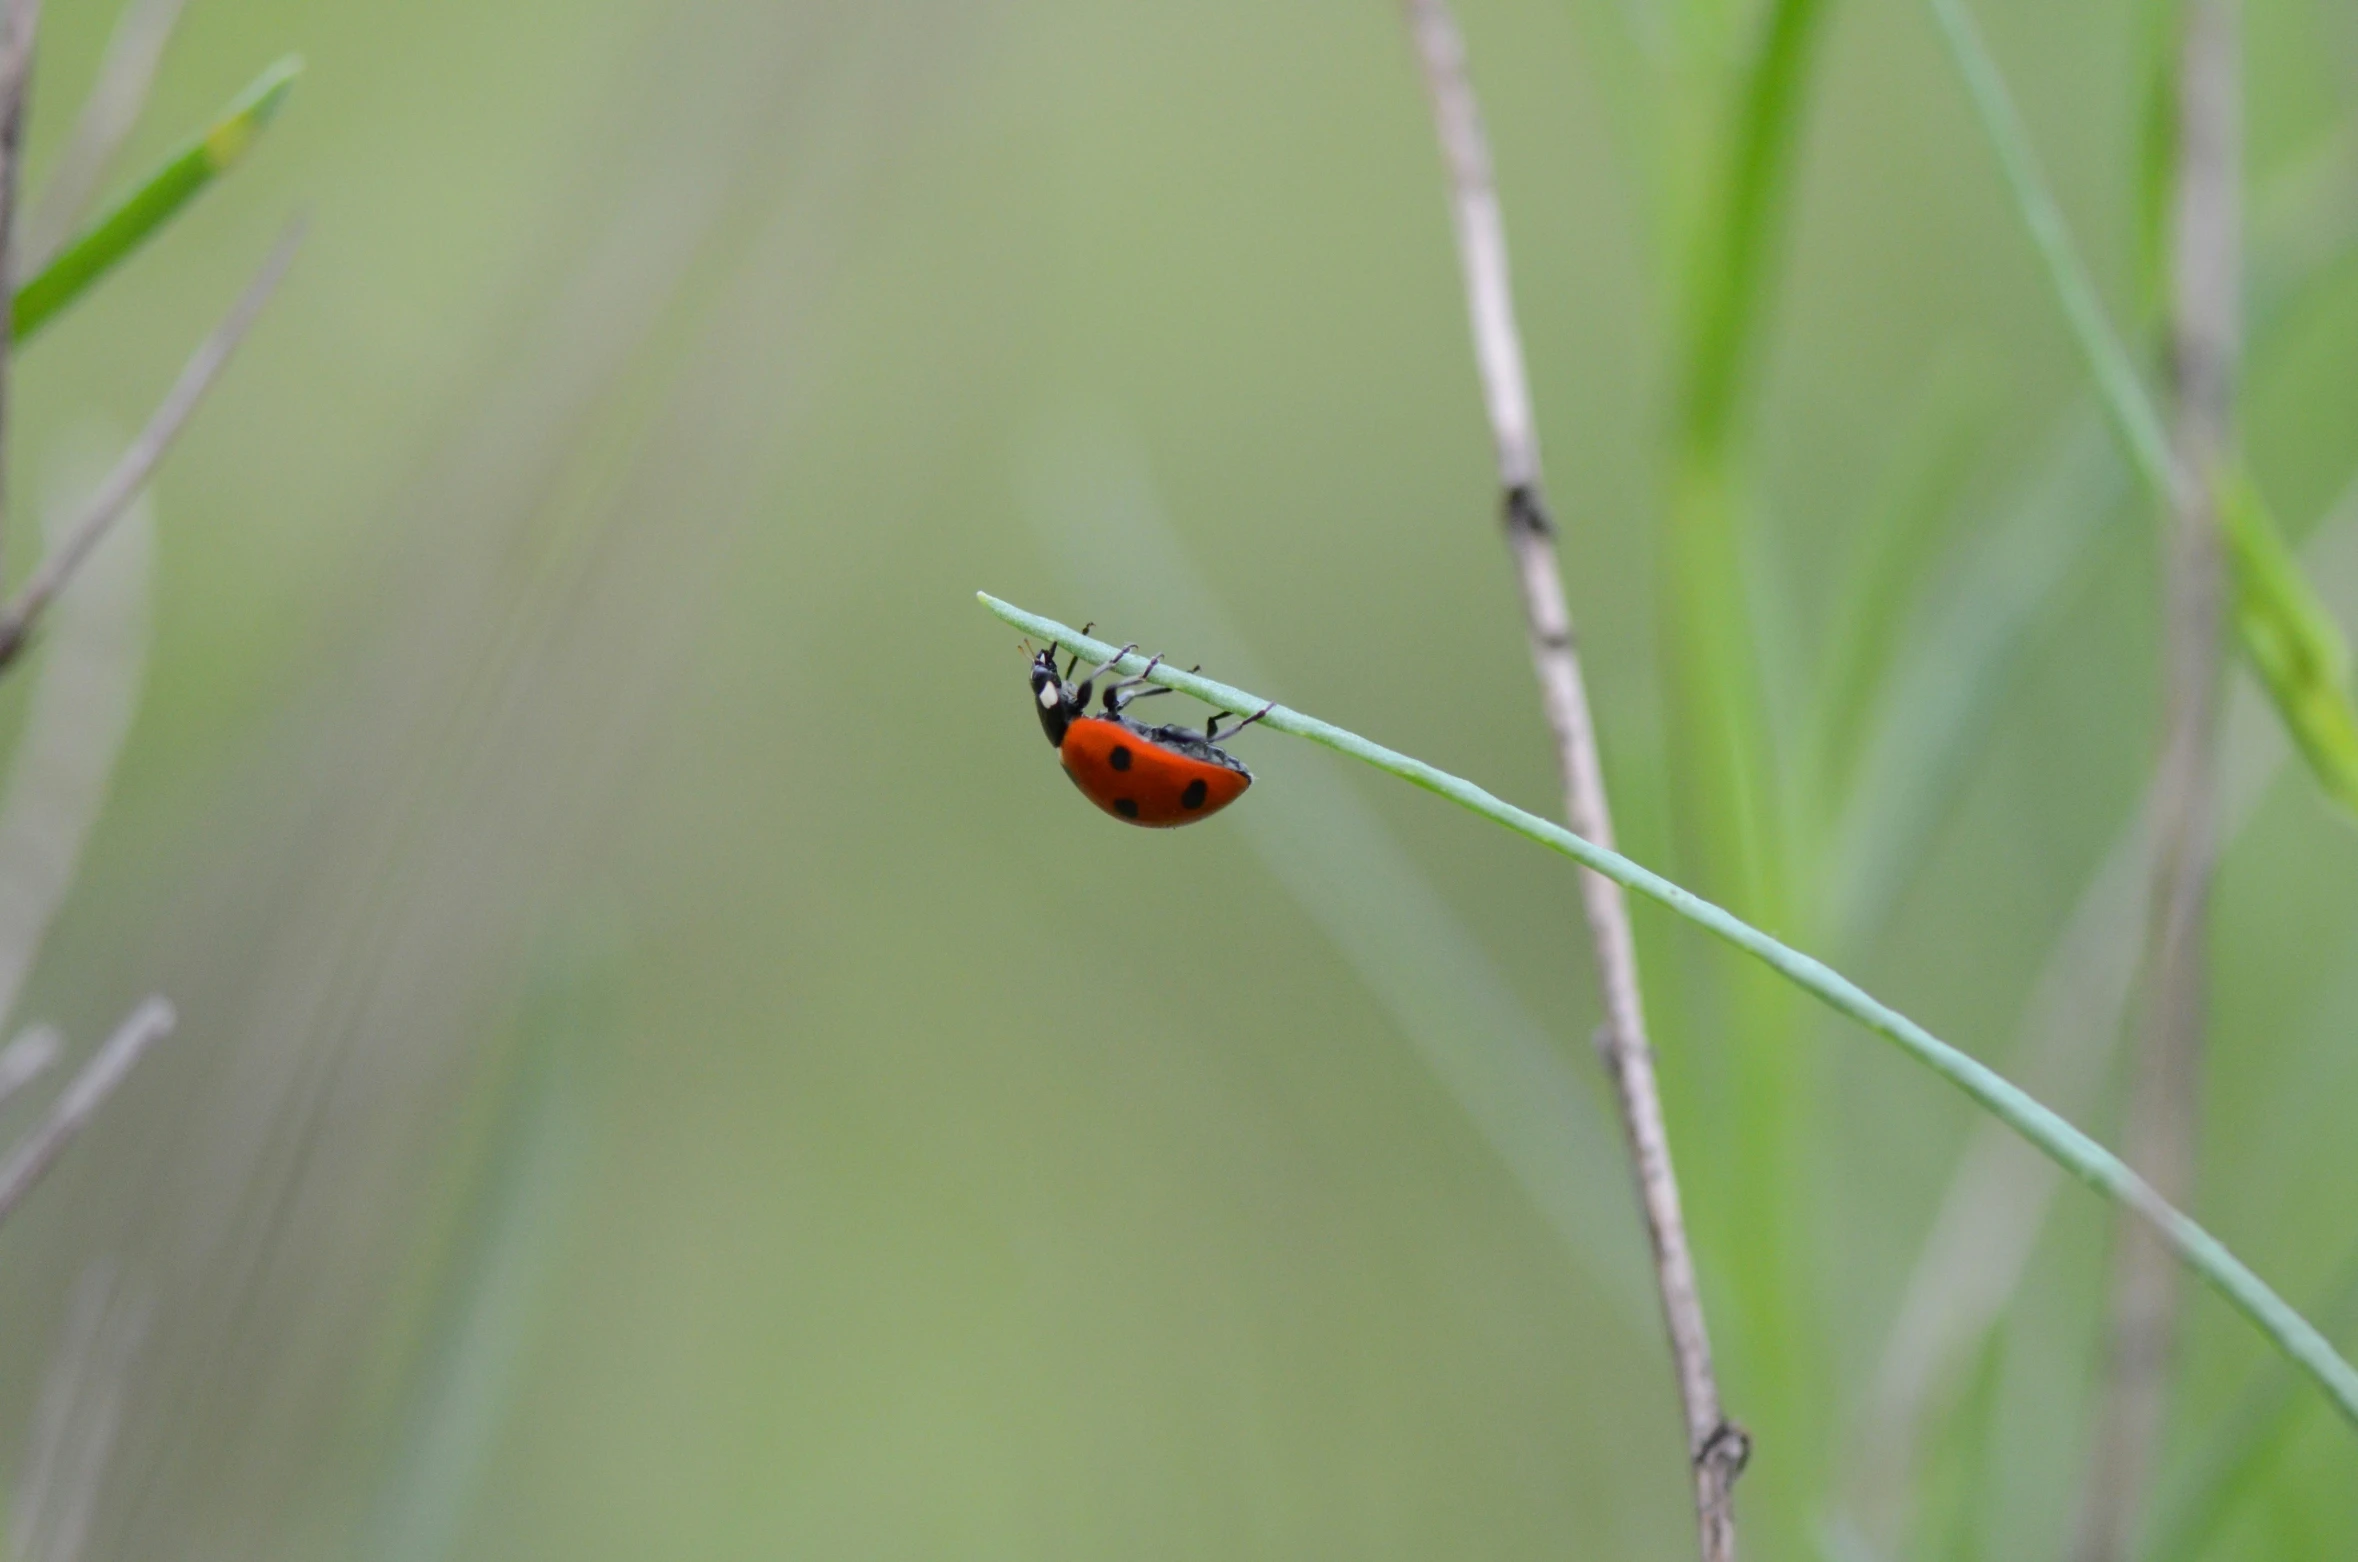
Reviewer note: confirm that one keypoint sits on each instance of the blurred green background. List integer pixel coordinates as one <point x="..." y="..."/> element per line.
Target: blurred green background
<point x="669" y="1070"/>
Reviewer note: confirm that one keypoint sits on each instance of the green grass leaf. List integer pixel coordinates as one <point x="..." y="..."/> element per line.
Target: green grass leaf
<point x="105" y="243"/>
<point x="2291" y="640"/>
<point x="2057" y="1139"/>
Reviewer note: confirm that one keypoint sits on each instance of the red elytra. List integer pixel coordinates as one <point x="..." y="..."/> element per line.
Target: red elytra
<point x="1159" y="777"/>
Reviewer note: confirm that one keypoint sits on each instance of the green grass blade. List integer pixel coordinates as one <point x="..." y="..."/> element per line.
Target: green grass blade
<point x="1733" y="253"/>
<point x="2292" y="641"/>
<point x="2123" y="393"/>
<point x="104" y="244"/>
<point x="1730" y="793"/>
<point x="2069" y="1148"/>
<point x="2285" y="635"/>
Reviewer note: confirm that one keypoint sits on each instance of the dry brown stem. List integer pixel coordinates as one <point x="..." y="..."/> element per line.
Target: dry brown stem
<point x="19" y="21"/>
<point x="29" y="1161"/>
<point x="1716" y="1447"/>
<point x="138" y="462"/>
<point x="2164" y="1110"/>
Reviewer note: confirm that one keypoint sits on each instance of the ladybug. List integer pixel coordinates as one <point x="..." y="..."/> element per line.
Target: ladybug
<point x="1154" y="776"/>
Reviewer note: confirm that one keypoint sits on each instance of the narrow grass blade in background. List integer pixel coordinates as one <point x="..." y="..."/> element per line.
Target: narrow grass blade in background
<point x="27" y="1058"/>
<point x="2059" y="1140"/>
<point x="2122" y="393"/>
<point x="79" y="1416"/>
<point x="138" y="463"/>
<point x="125" y="76"/>
<point x="30" y="1158"/>
<point x="492" y="1291"/>
<point x="131" y="223"/>
<point x="2284" y="645"/>
<point x="86" y="687"/>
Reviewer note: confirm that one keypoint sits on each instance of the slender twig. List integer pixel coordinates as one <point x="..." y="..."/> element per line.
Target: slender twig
<point x="26" y="1059"/>
<point x="1716" y="1449"/>
<point x="2206" y="292"/>
<point x="39" y="1149"/>
<point x="138" y="463"/>
<point x="133" y="52"/>
<point x="2057" y="1139"/>
<point x="19" y="21"/>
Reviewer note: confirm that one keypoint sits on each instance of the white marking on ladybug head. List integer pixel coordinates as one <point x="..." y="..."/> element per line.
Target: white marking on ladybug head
<point x="1049" y="695"/>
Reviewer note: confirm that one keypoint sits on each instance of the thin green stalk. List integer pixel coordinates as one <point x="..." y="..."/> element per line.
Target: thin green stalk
<point x="1730" y="796"/>
<point x="2057" y="1139"/>
<point x="2122" y="392"/>
<point x="184" y="175"/>
<point x="1733" y="254"/>
<point x="1727" y="763"/>
<point x="2293" y="646"/>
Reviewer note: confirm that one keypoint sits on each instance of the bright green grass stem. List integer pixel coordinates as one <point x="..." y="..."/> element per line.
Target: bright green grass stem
<point x="99" y="248"/>
<point x="2074" y="1151"/>
<point x="1729" y="792"/>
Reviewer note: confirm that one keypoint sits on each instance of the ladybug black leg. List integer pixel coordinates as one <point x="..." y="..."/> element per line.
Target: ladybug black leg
<point x="1213" y="734"/>
<point x="1092" y="676"/>
<point x="1118" y="700"/>
<point x="1094" y="672"/>
<point x="1080" y="691"/>
<point x="1113" y="691"/>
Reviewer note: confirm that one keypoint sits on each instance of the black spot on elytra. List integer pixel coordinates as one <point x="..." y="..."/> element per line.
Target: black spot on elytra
<point x="1194" y="796"/>
<point x="1120" y="758"/>
<point x="1127" y="807"/>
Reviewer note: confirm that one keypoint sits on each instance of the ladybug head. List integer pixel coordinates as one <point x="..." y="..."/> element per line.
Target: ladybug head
<point x="1057" y="702"/>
